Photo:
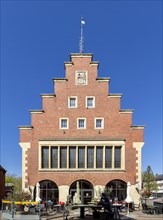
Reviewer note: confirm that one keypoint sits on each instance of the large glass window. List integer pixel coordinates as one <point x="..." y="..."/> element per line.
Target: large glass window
<point x="81" y="157"/>
<point x="117" y="157"/>
<point x="99" y="157"/>
<point x="118" y="189"/>
<point x="45" y="157"/>
<point x="90" y="157"/>
<point x="63" y="157"/>
<point x="72" y="157"/>
<point x="54" y="157"/>
<point x="108" y="157"/>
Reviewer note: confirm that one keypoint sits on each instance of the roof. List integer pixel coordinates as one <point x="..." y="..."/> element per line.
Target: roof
<point x="1" y="168"/>
<point x="159" y="177"/>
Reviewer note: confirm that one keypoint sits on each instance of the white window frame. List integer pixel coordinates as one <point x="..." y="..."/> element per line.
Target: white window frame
<point x="102" y="123"/>
<point x="78" y="123"/>
<point x="60" y="123"/>
<point x="86" y="101"/>
<point x="76" y="101"/>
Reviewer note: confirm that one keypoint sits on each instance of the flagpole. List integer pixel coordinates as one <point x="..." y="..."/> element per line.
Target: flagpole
<point x="81" y="42"/>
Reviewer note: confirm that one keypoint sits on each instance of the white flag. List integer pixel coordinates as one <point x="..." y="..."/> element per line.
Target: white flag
<point x="82" y="22"/>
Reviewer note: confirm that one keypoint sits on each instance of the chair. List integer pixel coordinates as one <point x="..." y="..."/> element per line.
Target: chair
<point x="136" y="206"/>
<point x="148" y="210"/>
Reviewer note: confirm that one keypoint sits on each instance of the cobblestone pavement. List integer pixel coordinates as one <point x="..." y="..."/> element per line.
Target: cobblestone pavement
<point x="136" y="215"/>
<point x="74" y="215"/>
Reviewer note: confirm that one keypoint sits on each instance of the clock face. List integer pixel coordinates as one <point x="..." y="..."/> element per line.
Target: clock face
<point x="81" y="77"/>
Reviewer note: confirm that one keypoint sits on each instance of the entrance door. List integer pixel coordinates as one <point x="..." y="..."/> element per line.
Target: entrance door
<point x="85" y="189"/>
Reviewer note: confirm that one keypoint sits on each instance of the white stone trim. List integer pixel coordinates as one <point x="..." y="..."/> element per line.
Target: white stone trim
<point x="76" y="101"/>
<point x="86" y="101"/>
<point x="138" y="146"/>
<point x="98" y="128"/>
<point x="60" y="127"/>
<point x="60" y="142"/>
<point x="25" y="146"/>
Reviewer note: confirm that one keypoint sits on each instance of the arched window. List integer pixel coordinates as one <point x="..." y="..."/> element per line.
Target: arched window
<point x="48" y="191"/>
<point x="85" y="188"/>
<point x="118" y="189"/>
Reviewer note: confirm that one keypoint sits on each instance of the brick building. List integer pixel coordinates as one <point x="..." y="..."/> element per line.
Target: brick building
<point x="82" y="135"/>
<point x="2" y="184"/>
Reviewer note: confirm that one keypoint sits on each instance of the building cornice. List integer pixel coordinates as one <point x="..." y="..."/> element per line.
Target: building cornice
<point x="36" y="111"/>
<point x="25" y="127"/>
<point x="126" y="111"/>
<point x="83" y="139"/>
<point x="81" y="55"/>
<point x="60" y="79"/>
<point x="103" y="79"/>
<point x="138" y="127"/>
<point x="48" y="95"/>
<point x="115" y="95"/>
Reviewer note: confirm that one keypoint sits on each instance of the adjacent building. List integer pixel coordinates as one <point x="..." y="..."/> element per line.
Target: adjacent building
<point x="2" y="184"/>
<point x="81" y="136"/>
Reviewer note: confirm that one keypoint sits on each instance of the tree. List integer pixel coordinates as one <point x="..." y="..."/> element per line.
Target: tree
<point x="17" y="193"/>
<point x="149" y="183"/>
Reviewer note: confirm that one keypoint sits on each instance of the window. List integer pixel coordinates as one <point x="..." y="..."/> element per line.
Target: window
<point x="64" y="123"/>
<point x="81" y="123"/>
<point x="117" y="157"/>
<point x="81" y="157"/>
<point x="45" y="157"/>
<point x="99" y="157"/>
<point x="72" y="157"/>
<point x="90" y="102"/>
<point x="63" y="157"/>
<point x="54" y="157"/>
<point x="90" y="157"/>
<point x="108" y="157"/>
<point x="72" y="102"/>
<point x="99" y="123"/>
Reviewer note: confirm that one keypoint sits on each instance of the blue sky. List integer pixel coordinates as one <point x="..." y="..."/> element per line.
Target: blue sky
<point x="38" y="36"/>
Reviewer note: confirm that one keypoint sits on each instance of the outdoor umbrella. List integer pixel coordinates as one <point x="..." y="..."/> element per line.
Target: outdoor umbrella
<point x="38" y="192"/>
<point x="128" y="198"/>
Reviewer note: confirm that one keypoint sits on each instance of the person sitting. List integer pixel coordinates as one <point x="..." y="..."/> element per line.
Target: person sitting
<point x="104" y="201"/>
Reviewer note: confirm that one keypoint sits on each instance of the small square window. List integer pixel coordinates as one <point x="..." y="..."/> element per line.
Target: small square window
<point x="90" y="102"/>
<point x="64" y="123"/>
<point x="81" y="123"/>
<point x="72" y="102"/>
<point x="99" y="123"/>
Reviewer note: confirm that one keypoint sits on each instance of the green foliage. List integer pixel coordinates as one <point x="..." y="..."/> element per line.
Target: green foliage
<point x="18" y="194"/>
<point x="149" y="182"/>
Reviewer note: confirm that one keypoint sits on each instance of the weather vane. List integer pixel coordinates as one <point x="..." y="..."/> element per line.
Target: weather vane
<point x="81" y="41"/>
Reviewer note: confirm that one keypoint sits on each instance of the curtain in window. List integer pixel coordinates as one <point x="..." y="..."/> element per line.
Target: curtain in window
<point x="90" y="157"/>
<point x="54" y="157"/>
<point x="81" y="157"/>
<point x="99" y="157"/>
<point x="108" y="157"/>
<point x="45" y="157"/>
<point x="63" y="157"/>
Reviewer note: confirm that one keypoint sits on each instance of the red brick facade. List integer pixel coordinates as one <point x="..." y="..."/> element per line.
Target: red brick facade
<point x="2" y="183"/>
<point x="45" y="127"/>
